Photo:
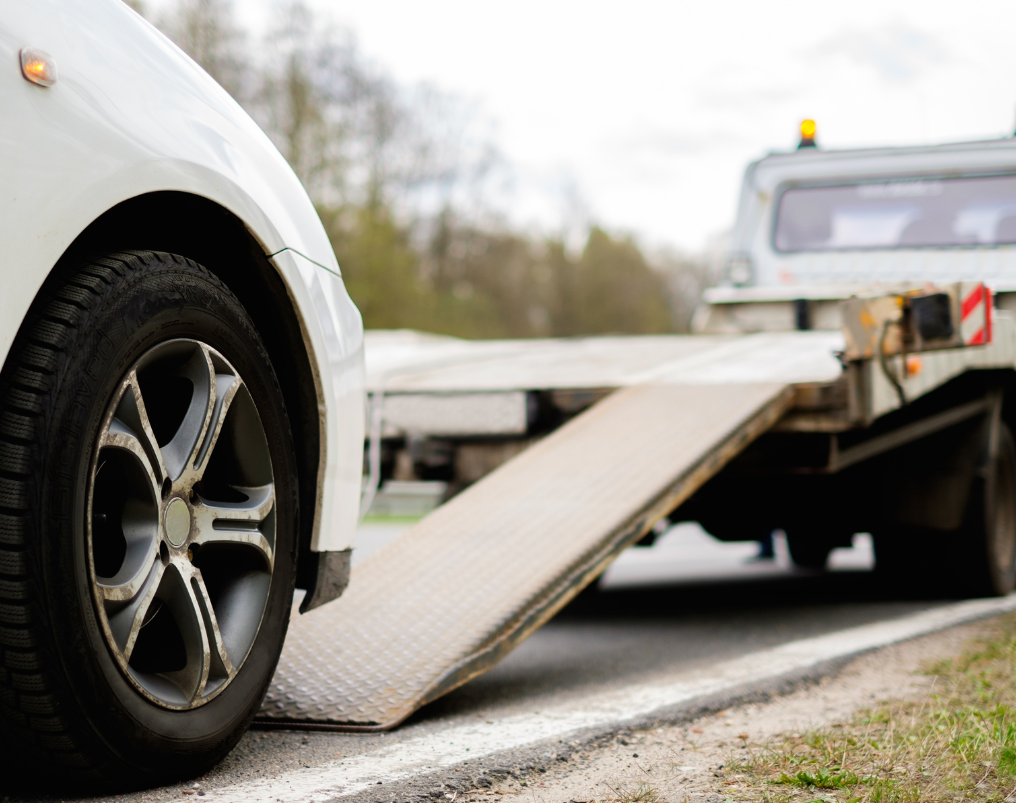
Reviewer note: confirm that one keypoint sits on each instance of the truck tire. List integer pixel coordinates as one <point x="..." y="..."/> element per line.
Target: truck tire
<point x="979" y="558"/>
<point x="148" y="520"/>
<point x="987" y="540"/>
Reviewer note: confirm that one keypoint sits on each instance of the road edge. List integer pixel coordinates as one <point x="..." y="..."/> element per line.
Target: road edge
<point x="441" y="765"/>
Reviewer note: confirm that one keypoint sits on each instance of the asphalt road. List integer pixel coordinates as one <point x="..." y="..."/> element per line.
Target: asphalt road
<point x="682" y="605"/>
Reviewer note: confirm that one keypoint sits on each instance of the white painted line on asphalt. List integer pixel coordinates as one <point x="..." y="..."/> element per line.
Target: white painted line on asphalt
<point x="459" y="743"/>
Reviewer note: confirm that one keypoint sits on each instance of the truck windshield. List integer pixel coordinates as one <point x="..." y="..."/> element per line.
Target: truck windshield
<point x="904" y="213"/>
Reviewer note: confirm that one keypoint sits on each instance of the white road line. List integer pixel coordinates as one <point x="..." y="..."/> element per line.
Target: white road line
<point x="456" y="744"/>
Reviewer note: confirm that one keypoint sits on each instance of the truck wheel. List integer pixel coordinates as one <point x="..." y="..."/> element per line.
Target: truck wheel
<point x="979" y="558"/>
<point x="148" y="515"/>
<point x="987" y="540"/>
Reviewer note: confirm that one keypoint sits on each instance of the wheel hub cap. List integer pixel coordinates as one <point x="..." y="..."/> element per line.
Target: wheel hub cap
<point x="177" y="521"/>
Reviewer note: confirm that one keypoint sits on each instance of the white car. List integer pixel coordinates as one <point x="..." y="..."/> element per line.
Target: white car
<point x="181" y="401"/>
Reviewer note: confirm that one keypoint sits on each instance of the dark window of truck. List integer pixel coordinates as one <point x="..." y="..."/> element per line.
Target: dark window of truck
<point x="905" y="213"/>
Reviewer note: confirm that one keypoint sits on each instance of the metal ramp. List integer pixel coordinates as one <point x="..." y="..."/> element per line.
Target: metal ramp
<point x="460" y="589"/>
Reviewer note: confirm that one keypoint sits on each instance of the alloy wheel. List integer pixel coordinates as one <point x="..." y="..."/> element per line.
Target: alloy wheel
<point x="181" y="524"/>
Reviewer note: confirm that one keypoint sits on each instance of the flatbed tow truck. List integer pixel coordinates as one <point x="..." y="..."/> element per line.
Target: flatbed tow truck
<point x="835" y="386"/>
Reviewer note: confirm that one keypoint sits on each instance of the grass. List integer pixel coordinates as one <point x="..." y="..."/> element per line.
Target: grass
<point x="957" y="744"/>
<point x="639" y="792"/>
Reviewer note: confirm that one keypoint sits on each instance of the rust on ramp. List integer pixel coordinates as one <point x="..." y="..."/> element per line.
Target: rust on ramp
<point x="456" y="592"/>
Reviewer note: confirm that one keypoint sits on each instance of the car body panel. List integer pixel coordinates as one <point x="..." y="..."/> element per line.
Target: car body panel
<point x="340" y="348"/>
<point x="131" y="114"/>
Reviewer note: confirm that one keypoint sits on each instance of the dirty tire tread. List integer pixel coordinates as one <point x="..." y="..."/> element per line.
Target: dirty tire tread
<point x="13" y="589"/>
<point x="30" y="371"/>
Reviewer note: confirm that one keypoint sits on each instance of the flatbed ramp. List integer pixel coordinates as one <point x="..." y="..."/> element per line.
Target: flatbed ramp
<point x="460" y="589"/>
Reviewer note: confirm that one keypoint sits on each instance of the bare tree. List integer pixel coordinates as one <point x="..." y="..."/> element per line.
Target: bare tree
<point x="687" y="276"/>
<point x="206" y="30"/>
<point x="311" y="83"/>
<point x="401" y="177"/>
<point x="351" y="134"/>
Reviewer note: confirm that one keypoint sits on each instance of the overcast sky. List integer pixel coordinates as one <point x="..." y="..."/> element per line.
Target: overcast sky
<point x="648" y="111"/>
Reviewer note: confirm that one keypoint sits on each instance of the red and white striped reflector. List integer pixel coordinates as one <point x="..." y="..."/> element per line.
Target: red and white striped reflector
<point x="975" y="313"/>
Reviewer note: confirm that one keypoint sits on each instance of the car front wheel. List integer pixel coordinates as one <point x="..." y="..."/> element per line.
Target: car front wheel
<point x="148" y="520"/>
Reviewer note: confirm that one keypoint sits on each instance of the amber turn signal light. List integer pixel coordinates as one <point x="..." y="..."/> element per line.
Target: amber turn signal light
<point x="38" y="67"/>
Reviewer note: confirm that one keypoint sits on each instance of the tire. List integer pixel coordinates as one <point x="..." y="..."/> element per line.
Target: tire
<point x="987" y="541"/>
<point x="98" y="538"/>
<point x="976" y="560"/>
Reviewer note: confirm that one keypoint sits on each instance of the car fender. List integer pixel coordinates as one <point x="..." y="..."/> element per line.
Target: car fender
<point x="130" y="114"/>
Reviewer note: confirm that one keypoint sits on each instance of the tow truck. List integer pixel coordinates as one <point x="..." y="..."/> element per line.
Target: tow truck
<point x="854" y="373"/>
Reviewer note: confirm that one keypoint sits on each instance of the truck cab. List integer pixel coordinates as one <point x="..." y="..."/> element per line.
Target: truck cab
<point x="816" y="226"/>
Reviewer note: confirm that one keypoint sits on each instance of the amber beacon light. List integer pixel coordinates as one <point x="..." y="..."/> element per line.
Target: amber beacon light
<point x="38" y="67"/>
<point x="807" y="134"/>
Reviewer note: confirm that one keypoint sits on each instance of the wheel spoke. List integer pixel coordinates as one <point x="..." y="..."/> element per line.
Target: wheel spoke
<point x="130" y="430"/>
<point x="226" y="388"/>
<point x="215" y="387"/>
<point x="182" y="600"/>
<point x="221" y="666"/>
<point x="139" y="594"/>
<point x="186" y="441"/>
<point x="134" y="574"/>
<point x="236" y="522"/>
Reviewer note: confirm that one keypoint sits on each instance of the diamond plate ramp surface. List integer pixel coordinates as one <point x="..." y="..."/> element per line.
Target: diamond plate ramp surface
<point x="455" y="593"/>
